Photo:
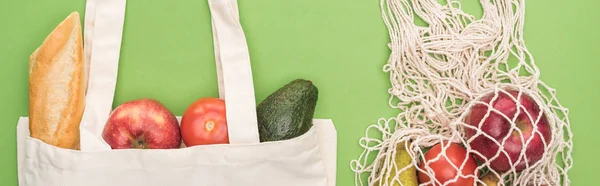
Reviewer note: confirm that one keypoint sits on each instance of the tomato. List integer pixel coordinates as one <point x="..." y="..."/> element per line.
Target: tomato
<point x="443" y="169"/>
<point x="204" y="122"/>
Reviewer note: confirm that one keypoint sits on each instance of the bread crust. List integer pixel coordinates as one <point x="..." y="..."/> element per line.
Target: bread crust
<point x="57" y="85"/>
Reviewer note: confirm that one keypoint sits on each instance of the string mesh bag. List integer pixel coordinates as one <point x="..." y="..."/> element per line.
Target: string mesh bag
<point x="472" y="83"/>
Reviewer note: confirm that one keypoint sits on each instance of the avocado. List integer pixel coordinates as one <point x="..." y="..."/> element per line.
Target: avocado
<point x="288" y="112"/>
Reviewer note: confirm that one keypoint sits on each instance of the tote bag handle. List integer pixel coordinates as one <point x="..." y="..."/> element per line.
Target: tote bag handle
<point x="103" y="28"/>
<point x="234" y="72"/>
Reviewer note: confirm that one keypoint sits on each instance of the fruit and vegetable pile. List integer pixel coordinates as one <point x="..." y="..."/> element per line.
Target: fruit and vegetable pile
<point x="148" y="124"/>
<point x="503" y="134"/>
<point x="472" y="109"/>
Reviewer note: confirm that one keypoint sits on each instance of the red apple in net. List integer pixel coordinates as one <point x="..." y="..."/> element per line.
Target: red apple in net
<point x="142" y="124"/>
<point x="526" y="117"/>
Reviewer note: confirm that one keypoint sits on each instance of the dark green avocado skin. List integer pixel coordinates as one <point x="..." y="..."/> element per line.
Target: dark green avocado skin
<point x="288" y="112"/>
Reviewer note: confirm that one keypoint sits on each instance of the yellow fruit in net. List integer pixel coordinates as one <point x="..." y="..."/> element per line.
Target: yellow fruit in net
<point x="408" y="177"/>
<point x="489" y="180"/>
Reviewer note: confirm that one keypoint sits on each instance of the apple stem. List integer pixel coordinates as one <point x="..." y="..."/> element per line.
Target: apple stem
<point x="139" y="143"/>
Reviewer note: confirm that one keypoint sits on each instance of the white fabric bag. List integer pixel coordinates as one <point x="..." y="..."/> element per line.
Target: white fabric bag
<point x="308" y="160"/>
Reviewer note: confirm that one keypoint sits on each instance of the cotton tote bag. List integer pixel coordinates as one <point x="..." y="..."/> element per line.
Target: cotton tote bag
<point x="307" y="160"/>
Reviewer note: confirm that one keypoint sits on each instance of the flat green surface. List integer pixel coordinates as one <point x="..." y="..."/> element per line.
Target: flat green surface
<point x="167" y="54"/>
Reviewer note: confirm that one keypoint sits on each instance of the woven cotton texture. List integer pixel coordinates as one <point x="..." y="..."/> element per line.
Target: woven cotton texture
<point x="454" y="67"/>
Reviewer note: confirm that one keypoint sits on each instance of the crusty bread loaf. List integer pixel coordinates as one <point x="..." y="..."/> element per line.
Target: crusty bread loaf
<point x="57" y="86"/>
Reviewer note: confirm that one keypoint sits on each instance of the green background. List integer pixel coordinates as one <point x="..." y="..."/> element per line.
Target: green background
<point x="167" y="54"/>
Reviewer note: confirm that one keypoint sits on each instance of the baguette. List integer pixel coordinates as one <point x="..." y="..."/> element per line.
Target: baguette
<point x="57" y="84"/>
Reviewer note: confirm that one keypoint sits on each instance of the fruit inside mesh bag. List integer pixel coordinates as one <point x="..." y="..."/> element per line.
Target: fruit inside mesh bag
<point x="449" y="164"/>
<point x="507" y="129"/>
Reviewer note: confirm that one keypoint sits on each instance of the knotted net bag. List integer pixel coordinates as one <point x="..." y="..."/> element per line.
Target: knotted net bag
<point x="471" y="82"/>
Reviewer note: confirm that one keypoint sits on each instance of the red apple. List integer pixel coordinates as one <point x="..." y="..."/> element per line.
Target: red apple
<point x="525" y="117"/>
<point x="142" y="124"/>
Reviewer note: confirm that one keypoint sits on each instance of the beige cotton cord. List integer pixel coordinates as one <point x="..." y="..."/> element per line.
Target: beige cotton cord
<point x="439" y="71"/>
